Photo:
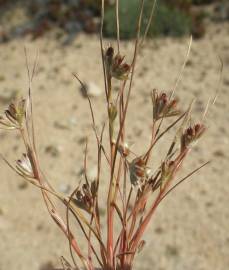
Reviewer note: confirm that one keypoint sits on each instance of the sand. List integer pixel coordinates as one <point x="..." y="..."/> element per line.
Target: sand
<point x="190" y="230"/>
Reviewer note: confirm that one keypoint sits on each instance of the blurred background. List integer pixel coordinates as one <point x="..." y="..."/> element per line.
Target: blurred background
<point x="190" y="229"/>
<point x="70" y="17"/>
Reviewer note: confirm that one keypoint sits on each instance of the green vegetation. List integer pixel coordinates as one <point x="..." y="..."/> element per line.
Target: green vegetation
<point x="167" y="20"/>
<point x="204" y="2"/>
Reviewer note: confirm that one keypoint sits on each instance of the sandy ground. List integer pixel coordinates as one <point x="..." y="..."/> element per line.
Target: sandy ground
<point x="191" y="228"/>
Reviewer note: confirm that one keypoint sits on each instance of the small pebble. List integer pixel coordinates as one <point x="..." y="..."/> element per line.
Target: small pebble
<point x="92" y="173"/>
<point x="172" y="251"/>
<point x="47" y="266"/>
<point x="22" y="185"/>
<point x="82" y="140"/>
<point x="91" y="89"/>
<point x="2" y="78"/>
<point x="64" y="188"/>
<point x="39" y="227"/>
<point x="72" y="121"/>
<point x="226" y="81"/>
<point x="219" y="153"/>
<point x="159" y="230"/>
<point x="60" y="125"/>
<point x="53" y="150"/>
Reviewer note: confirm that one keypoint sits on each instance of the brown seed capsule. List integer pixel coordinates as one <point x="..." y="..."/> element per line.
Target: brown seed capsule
<point x="110" y="52"/>
<point x="190" y="132"/>
<point x="197" y="128"/>
<point x="162" y="106"/>
<point x="164" y="98"/>
<point x="140" y="172"/>
<point x="173" y="104"/>
<point x="126" y="67"/>
<point x="84" y="198"/>
<point x="124" y="150"/>
<point x="118" y="60"/>
<point x="115" y="66"/>
<point x="11" y="111"/>
<point x="137" y="171"/>
<point x="140" y="162"/>
<point x="191" y="135"/>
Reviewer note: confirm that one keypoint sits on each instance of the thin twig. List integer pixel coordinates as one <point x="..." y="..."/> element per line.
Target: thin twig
<point x="149" y="23"/>
<point x="117" y="25"/>
<point x="102" y="48"/>
<point x="184" y="179"/>
<point x="182" y="68"/>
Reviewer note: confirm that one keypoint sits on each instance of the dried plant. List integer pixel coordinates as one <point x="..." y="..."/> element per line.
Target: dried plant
<point x="135" y="186"/>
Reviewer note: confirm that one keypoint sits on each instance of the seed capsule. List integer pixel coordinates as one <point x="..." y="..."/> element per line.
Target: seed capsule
<point x="137" y="172"/>
<point x="163" y="106"/>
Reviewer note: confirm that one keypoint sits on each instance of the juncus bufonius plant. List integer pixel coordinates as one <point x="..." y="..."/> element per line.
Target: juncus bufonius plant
<point x="135" y="186"/>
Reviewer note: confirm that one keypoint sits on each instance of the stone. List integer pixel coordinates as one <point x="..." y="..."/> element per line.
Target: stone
<point x="226" y="81"/>
<point x="82" y="140"/>
<point x="23" y="184"/>
<point x="47" y="266"/>
<point x="72" y="121"/>
<point x="92" y="173"/>
<point x="172" y="251"/>
<point x="219" y="153"/>
<point x="60" y="125"/>
<point x="53" y="150"/>
<point x="2" y="78"/>
<point x="91" y="89"/>
<point x="64" y="188"/>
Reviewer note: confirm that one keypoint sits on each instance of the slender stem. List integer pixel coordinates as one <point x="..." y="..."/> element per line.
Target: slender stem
<point x="151" y="143"/>
<point x="141" y="229"/>
<point x="130" y="88"/>
<point x="101" y="47"/>
<point x="184" y="179"/>
<point x="149" y="22"/>
<point x="111" y="185"/>
<point x="164" y="132"/>
<point x="117" y="25"/>
<point x="110" y="232"/>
